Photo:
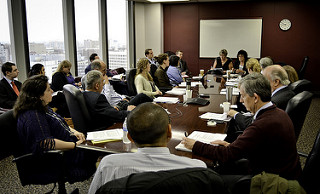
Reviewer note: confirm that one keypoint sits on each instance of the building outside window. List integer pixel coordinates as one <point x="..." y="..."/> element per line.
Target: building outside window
<point x="45" y="34"/>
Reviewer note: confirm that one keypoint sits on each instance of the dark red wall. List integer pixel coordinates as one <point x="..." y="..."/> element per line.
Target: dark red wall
<point x="181" y="31"/>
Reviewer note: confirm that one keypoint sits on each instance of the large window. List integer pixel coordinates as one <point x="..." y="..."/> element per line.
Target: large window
<point x="5" y="46"/>
<point x="117" y="34"/>
<point x="87" y="31"/>
<point x="45" y="33"/>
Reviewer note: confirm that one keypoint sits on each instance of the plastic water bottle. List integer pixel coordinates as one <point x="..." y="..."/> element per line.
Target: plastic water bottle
<point x="125" y="132"/>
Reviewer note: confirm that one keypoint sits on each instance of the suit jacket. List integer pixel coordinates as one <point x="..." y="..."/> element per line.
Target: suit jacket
<point x="183" y="66"/>
<point x="282" y="97"/>
<point x="102" y="113"/>
<point x="7" y="96"/>
<point x="162" y="80"/>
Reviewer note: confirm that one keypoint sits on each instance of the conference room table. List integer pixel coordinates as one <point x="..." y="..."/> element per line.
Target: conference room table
<point x="184" y="118"/>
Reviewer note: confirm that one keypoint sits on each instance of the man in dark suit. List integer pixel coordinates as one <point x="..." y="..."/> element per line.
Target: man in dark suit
<point x="182" y="64"/>
<point x="9" y="88"/>
<point x="102" y="113"/>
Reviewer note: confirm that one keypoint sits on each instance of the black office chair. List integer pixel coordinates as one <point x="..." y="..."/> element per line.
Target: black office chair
<point x="188" y="180"/>
<point x="77" y="107"/>
<point x="303" y="67"/>
<point x="130" y="82"/>
<point x="300" y="86"/>
<point x="311" y="169"/>
<point x="32" y="169"/>
<point x="297" y="109"/>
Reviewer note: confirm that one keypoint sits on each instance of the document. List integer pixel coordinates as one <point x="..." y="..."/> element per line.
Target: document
<point x="169" y="100"/>
<point x="235" y="91"/>
<point x="193" y="84"/>
<point x="215" y="116"/>
<point x="110" y="134"/>
<point x="204" y="137"/>
<point x="177" y="91"/>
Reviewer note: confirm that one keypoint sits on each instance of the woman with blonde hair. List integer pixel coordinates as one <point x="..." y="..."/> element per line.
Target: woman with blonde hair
<point x="62" y="76"/>
<point x="253" y="65"/>
<point x="143" y="80"/>
<point x="223" y="61"/>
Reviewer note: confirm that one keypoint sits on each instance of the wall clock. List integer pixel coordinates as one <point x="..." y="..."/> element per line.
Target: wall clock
<point x="285" y="24"/>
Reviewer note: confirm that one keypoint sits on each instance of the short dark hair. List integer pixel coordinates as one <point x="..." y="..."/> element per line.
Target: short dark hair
<point x="147" y="123"/>
<point x="93" y="56"/>
<point x="31" y="91"/>
<point x="162" y="57"/>
<point x="146" y="52"/>
<point x="244" y="53"/>
<point x="174" y="60"/>
<point x="256" y="83"/>
<point x="35" y="69"/>
<point x="7" y="66"/>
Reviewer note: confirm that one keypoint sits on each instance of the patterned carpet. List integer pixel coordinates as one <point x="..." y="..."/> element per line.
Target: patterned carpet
<point x="9" y="179"/>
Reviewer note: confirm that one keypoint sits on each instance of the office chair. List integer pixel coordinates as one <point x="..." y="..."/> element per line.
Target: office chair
<point x="311" y="169"/>
<point x="32" y="169"/>
<point x="303" y="67"/>
<point x="130" y="81"/>
<point x="188" y="180"/>
<point x="77" y="107"/>
<point x="300" y="86"/>
<point x="297" y="109"/>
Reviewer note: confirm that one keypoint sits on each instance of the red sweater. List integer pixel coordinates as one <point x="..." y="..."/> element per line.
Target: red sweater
<point x="268" y="143"/>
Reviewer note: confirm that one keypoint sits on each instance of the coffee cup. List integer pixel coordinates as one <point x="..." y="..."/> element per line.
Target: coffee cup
<point x="201" y="72"/>
<point x="226" y="107"/>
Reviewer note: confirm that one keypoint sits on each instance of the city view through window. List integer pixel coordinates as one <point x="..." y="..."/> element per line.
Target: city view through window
<point x="46" y="36"/>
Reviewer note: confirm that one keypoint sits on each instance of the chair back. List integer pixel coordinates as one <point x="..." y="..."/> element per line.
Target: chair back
<point x="188" y="180"/>
<point x="77" y="107"/>
<point x="297" y="110"/>
<point x="303" y="67"/>
<point x="300" y="86"/>
<point x="130" y="81"/>
<point x="311" y="170"/>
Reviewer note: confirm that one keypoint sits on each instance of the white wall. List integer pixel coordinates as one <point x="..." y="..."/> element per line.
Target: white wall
<point x="149" y="28"/>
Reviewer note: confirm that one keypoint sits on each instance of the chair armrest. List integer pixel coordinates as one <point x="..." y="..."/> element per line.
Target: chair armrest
<point x="46" y="153"/>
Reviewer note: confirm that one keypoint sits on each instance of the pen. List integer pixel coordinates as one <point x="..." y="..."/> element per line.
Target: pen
<point x="186" y="134"/>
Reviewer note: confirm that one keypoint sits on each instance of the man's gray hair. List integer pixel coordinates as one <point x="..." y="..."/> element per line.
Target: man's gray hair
<point x="265" y="62"/>
<point x="256" y="83"/>
<point x="96" y="64"/>
<point x="278" y="72"/>
<point x="93" y="77"/>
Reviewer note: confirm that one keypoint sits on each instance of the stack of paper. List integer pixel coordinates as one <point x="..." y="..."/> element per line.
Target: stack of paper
<point x="235" y="91"/>
<point x="105" y="135"/>
<point x="193" y="84"/>
<point x="117" y="77"/>
<point x="177" y="91"/>
<point x="169" y="100"/>
<point x="204" y="137"/>
<point x="215" y="116"/>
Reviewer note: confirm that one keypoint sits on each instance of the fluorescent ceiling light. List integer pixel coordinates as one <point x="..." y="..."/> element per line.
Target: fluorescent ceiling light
<point x="159" y="1"/>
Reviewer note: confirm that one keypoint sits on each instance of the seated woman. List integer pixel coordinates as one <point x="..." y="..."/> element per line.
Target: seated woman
<point x="143" y="80"/>
<point x="292" y="74"/>
<point x="40" y="129"/>
<point x="253" y="66"/>
<point x="240" y="64"/>
<point x="62" y="76"/>
<point x="223" y="61"/>
<point x="37" y="69"/>
<point x="173" y="72"/>
<point x="162" y="79"/>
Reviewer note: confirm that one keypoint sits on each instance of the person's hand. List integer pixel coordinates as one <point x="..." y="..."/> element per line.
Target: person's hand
<point x="158" y="92"/>
<point x="79" y="142"/>
<point x="79" y="135"/>
<point x="183" y="73"/>
<point x="232" y="112"/>
<point x="188" y="143"/>
<point x="130" y="107"/>
<point x="220" y="142"/>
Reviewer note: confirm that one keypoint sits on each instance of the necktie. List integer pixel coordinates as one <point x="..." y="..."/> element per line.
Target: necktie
<point x="14" y="87"/>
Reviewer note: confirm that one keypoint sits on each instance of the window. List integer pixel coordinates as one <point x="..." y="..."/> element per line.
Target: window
<point x="5" y="46"/>
<point x="87" y="31"/>
<point x="45" y="33"/>
<point x="117" y="34"/>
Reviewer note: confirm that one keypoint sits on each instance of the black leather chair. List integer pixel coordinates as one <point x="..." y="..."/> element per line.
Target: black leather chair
<point x="300" y="86"/>
<point x="130" y="82"/>
<point x="311" y="169"/>
<point x="189" y="180"/>
<point x="297" y="109"/>
<point x="32" y="169"/>
<point x="77" y="107"/>
<point x="303" y="67"/>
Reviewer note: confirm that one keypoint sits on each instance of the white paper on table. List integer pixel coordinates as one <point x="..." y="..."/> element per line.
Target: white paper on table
<point x="193" y="84"/>
<point x="215" y="116"/>
<point x="177" y="91"/>
<point x="235" y="91"/>
<point x="170" y="100"/>
<point x="105" y="134"/>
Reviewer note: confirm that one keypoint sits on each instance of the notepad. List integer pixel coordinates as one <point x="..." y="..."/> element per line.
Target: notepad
<point x="177" y="91"/>
<point x="111" y="134"/>
<point x="215" y="116"/>
<point x="169" y="100"/>
<point x="204" y="137"/>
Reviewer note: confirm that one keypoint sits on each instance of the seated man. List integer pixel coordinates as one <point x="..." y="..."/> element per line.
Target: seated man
<point x="102" y="113"/>
<point x="149" y="127"/>
<point x="116" y="100"/>
<point x="9" y="88"/>
<point x="183" y="67"/>
<point x="268" y="143"/>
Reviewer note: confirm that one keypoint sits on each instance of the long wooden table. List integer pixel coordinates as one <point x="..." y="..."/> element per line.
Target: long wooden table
<point x="184" y="118"/>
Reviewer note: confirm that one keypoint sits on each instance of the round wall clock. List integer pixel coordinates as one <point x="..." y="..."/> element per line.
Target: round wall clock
<point x="285" y="24"/>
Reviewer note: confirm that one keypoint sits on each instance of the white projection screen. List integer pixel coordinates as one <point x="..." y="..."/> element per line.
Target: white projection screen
<point x="230" y="34"/>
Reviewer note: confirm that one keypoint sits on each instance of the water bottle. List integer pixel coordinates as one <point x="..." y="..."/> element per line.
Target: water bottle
<point x="125" y="132"/>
